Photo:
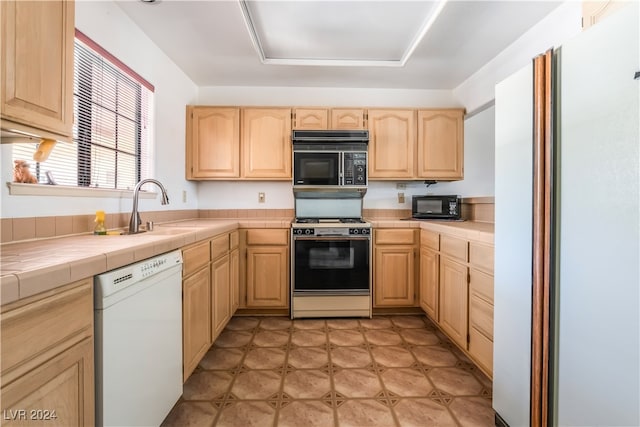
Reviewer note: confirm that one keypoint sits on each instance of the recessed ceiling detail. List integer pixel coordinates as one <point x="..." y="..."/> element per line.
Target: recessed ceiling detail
<point x="338" y="33"/>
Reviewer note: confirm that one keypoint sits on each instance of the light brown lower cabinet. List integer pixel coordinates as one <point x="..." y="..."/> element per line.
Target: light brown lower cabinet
<point x="456" y="292"/>
<point x="234" y="271"/>
<point x="266" y="268"/>
<point x="394" y="267"/>
<point x="267" y="277"/>
<point x="453" y="300"/>
<point x="220" y="295"/>
<point x="47" y="358"/>
<point x="429" y="282"/>
<point x="209" y="286"/>
<point x="196" y="319"/>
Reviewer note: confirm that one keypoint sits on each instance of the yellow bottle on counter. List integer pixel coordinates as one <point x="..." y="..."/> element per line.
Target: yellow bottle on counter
<point x="100" y="229"/>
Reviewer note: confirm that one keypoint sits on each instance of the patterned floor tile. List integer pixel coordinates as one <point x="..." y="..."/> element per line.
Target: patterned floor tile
<point x="385" y="371"/>
<point x="247" y="414"/>
<point x="364" y="412"/>
<point x="422" y="412"/>
<point x="357" y="383"/>
<point x="308" y="413"/>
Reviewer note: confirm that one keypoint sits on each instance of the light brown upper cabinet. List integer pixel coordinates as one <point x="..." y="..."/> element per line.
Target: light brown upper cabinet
<point x="348" y="118"/>
<point x="440" y="144"/>
<point x="325" y="118"/>
<point x="213" y="142"/>
<point x="310" y="118"/>
<point x="228" y="143"/>
<point x="37" y="67"/>
<point x="266" y="143"/>
<point x="392" y="142"/>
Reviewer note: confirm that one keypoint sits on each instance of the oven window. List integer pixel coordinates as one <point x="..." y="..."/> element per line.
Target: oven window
<point x="331" y="265"/>
<point x="331" y="257"/>
<point x="315" y="168"/>
<point x="430" y="206"/>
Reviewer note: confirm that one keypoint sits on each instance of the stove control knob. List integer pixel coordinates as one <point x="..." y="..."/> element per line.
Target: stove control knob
<point x="308" y="231"/>
<point x="355" y="231"/>
<point x="365" y="231"/>
<point x="297" y="231"/>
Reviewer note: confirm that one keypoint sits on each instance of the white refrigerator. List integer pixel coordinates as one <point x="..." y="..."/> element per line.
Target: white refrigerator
<point x="595" y="348"/>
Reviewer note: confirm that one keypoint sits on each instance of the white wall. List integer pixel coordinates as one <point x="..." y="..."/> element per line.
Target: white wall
<point x="173" y="90"/>
<point x="560" y="25"/>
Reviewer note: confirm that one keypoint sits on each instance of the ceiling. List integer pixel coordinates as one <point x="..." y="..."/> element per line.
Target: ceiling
<point x="322" y="43"/>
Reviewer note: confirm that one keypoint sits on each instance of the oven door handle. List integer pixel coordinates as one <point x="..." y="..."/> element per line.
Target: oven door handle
<point x="334" y="238"/>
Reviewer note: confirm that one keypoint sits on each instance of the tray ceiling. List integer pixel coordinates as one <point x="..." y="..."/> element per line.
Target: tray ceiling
<point x="321" y="43"/>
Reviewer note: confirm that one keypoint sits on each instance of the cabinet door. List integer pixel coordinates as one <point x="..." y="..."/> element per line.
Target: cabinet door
<point x="37" y="66"/>
<point x="266" y="143"/>
<point x="394" y="276"/>
<point x="220" y="296"/>
<point x="481" y="319"/>
<point x="440" y="144"/>
<point x="311" y="118"/>
<point x="392" y="141"/>
<point x="267" y="276"/>
<point x="429" y="282"/>
<point x="351" y="118"/>
<point x="453" y="314"/>
<point x="234" y="273"/>
<point x="196" y="319"/>
<point x="59" y="392"/>
<point x="213" y="142"/>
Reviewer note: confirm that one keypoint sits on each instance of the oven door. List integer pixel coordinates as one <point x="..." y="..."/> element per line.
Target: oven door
<point x="316" y="168"/>
<point x="331" y="265"/>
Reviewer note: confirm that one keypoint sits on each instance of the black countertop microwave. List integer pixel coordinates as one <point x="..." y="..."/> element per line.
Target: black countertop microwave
<point x="436" y="207"/>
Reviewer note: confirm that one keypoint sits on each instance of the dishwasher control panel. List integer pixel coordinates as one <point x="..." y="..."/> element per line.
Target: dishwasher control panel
<point x="117" y="280"/>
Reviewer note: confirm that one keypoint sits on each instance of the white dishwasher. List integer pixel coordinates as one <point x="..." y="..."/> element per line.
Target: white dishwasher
<point x="138" y="342"/>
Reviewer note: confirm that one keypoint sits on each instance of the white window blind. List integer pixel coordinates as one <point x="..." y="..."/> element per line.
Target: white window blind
<point x="112" y="130"/>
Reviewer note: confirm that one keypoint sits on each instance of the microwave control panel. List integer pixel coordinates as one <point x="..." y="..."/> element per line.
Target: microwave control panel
<point x="355" y="168"/>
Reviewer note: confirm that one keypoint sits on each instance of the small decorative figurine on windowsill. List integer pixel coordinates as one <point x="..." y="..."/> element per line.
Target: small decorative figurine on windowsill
<point x="22" y="174"/>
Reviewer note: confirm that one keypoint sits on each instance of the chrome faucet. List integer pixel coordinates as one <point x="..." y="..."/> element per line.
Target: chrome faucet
<point x="135" y="221"/>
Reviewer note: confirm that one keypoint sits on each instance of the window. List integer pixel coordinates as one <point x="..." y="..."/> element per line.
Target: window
<point x="112" y="129"/>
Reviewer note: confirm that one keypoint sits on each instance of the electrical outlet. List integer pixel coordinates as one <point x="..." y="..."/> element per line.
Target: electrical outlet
<point x="184" y="196"/>
<point x="261" y="197"/>
<point x="401" y="186"/>
<point x="400" y="197"/>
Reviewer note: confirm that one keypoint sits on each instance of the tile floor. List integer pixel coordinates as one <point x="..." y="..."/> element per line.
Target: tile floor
<point x="385" y="371"/>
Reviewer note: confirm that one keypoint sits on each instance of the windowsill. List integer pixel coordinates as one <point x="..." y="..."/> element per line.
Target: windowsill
<point x="20" y="189"/>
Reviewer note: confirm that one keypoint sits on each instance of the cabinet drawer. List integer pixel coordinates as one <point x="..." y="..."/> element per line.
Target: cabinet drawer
<point x="481" y="284"/>
<point x="481" y="349"/>
<point x="32" y="331"/>
<point x="194" y="257"/>
<point x="481" y="316"/>
<point x="268" y="236"/>
<point x="234" y="239"/>
<point x="219" y="246"/>
<point x="454" y="247"/>
<point x="395" y="236"/>
<point x="430" y="239"/>
<point x="481" y="256"/>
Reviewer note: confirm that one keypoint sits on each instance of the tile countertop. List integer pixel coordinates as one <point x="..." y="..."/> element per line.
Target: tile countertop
<point x="471" y="230"/>
<point x="30" y="267"/>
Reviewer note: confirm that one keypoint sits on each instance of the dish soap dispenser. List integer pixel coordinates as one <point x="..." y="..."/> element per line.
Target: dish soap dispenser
<point x="100" y="229"/>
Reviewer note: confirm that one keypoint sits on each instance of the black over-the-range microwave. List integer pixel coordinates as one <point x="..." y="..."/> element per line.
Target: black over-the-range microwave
<point x="436" y="207"/>
<point x="330" y="158"/>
